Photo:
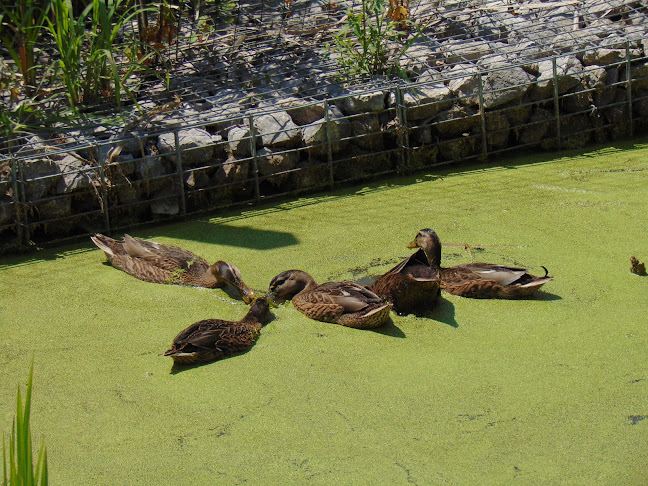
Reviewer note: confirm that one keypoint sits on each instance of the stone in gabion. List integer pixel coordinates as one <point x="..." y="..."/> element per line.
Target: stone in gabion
<point x="40" y="175"/>
<point x="269" y="163"/>
<point x="423" y="102"/>
<point x="568" y="75"/>
<point x="75" y="175"/>
<point x="277" y="130"/>
<point x="366" y="132"/>
<point x="458" y="120"/>
<point x="196" y="145"/>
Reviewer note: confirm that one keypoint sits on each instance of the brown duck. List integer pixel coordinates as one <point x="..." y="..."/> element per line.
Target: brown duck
<point x="345" y="303"/>
<point x="214" y="339"/>
<point x="159" y="263"/>
<point x="412" y="286"/>
<point x="478" y="280"/>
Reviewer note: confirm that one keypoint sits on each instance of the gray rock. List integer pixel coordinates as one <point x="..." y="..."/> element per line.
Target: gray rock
<point x="456" y="51"/>
<point x="639" y="76"/>
<point x="568" y="75"/>
<point x="504" y="85"/>
<point x="465" y="84"/>
<point x="239" y="141"/>
<point x="196" y="146"/>
<point x="578" y="99"/>
<point x="356" y="103"/>
<point x="40" y="176"/>
<point x="76" y="175"/>
<point x="456" y="121"/>
<point x="232" y="172"/>
<point x="603" y="56"/>
<point x="424" y="102"/>
<point x="270" y="163"/>
<point x="366" y="132"/>
<point x="301" y="112"/>
<point x="150" y="167"/>
<point x="314" y="136"/>
<point x="196" y="179"/>
<point x="277" y="130"/>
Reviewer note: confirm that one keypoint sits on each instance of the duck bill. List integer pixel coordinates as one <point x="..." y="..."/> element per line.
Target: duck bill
<point x="412" y="244"/>
<point x="247" y="294"/>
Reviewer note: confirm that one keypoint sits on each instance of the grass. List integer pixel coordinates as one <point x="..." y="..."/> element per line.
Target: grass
<point x="544" y="391"/>
<point x="17" y="455"/>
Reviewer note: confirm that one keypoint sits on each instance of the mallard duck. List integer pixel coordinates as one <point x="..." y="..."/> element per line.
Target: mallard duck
<point x="159" y="263"/>
<point x="479" y="280"/>
<point x="345" y="303"/>
<point x="214" y="339"/>
<point x="412" y="286"/>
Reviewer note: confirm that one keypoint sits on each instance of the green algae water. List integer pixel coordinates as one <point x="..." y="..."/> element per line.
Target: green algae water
<point x="551" y="390"/>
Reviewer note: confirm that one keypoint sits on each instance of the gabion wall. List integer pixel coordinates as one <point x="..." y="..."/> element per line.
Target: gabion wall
<point x="186" y="157"/>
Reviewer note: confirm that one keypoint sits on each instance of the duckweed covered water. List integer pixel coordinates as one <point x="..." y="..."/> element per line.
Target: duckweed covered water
<point x="545" y="391"/>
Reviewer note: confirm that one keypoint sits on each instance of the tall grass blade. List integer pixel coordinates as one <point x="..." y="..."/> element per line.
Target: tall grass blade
<point x="19" y="464"/>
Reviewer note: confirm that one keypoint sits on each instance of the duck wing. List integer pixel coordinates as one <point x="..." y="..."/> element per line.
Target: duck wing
<point x="501" y="274"/>
<point x="160" y="255"/>
<point x="351" y="297"/>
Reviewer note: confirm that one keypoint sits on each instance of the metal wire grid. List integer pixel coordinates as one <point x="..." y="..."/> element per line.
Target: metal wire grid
<point x="114" y="202"/>
<point x="398" y="145"/>
<point x="276" y="49"/>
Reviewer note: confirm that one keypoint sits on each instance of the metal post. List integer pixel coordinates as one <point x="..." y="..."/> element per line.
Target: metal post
<point x="482" y="118"/>
<point x="329" y="143"/>
<point x="399" y="129"/>
<point x="403" y="129"/>
<point x="255" y="164"/>
<point x="183" y="202"/>
<point x="17" y="205"/>
<point x="23" y="203"/>
<point x="104" y="189"/>
<point x="556" y="103"/>
<point x="629" y="89"/>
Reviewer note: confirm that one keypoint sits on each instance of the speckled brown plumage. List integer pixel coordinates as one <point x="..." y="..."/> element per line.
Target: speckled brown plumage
<point x="215" y="339"/>
<point x="158" y="263"/>
<point x="636" y="267"/>
<point x="344" y="303"/>
<point x="412" y="286"/>
<point x="479" y="280"/>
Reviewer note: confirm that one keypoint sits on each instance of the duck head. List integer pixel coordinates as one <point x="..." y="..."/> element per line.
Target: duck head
<point x="288" y="284"/>
<point x="227" y="273"/>
<point x="428" y="241"/>
<point x="260" y="310"/>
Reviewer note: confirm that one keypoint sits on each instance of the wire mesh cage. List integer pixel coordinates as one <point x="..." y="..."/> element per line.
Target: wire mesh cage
<point x="255" y="103"/>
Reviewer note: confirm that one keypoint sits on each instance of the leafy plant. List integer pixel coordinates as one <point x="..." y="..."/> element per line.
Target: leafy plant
<point x="18" y="466"/>
<point x="25" y="20"/>
<point x="88" y="62"/>
<point x="370" y="43"/>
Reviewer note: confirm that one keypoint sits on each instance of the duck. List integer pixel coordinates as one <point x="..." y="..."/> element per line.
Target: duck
<point x="215" y="339"/>
<point x="412" y="287"/>
<point x="479" y="280"/>
<point x="346" y="303"/>
<point x="159" y="263"/>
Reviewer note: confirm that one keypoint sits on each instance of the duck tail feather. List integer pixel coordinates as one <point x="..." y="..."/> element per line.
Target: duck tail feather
<point x="103" y="243"/>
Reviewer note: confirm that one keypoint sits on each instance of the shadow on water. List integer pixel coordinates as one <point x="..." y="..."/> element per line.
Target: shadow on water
<point x="543" y="295"/>
<point x="238" y="236"/>
<point x="389" y="329"/>
<point x="443" y="312"/>
<point x="179" y="368"/>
